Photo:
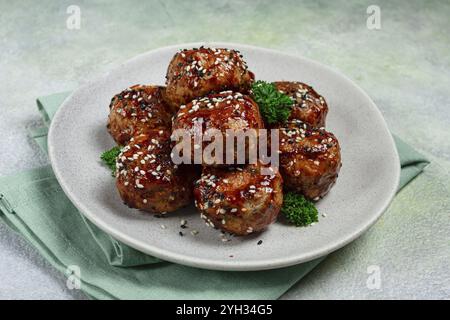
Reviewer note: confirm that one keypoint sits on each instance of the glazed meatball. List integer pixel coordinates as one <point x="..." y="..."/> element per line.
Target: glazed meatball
<point x="222" y="111"/>
<point x="146" y="177"/>
<point x="136" y="110"/>
<point x="200" y="71"/>
<point x="310" y="159"/>
<point x="239" y="200"/>
<point x="309" y="106"/>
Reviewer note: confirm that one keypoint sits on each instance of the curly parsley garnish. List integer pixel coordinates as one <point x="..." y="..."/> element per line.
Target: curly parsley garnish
<point x="298" y="210"/>
<point x="274" y="105"/>
<point x="109" y="158"/>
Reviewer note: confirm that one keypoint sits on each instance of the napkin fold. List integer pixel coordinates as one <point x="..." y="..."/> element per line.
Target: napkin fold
<point x="33" y="204"/>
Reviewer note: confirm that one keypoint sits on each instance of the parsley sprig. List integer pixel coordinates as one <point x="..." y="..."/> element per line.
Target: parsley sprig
<point x="298" y="210"/>
<point x="109" y="158"/>
<point x="274" y="106"/>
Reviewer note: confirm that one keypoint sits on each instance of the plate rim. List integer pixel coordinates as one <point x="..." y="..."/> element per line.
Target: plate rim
<point x="215" y="264"/>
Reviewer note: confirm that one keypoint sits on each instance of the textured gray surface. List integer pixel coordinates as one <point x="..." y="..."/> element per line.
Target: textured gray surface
<point x="404" y="67"/>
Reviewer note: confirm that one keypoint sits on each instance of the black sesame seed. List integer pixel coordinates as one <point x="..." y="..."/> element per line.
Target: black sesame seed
<point x="181" y="234"/>
<point x="259" y="242"/>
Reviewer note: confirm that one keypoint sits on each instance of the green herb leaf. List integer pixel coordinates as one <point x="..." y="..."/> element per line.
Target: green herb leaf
<point x="298" y="210"/>
<point x="109" y="158"/>
<point x="273" y="105"/>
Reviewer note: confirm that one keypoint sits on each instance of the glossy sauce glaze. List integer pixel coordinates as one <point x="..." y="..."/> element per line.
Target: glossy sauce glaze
<point x="310" y="159"/>
<point x="147" y="178"/>
<point x="199" y="71"/>
<point x="240" y="200"/>
<point x="136" y="110"/>
<point x="221" y="111"/>
<point x="309" y="106"/>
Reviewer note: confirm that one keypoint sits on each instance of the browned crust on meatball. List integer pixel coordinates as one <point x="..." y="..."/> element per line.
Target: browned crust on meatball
<point x="146" y="177"/>
<point x="310" y="159"/>
<point x="309" y="106"/>
<point x="239" y="200"/>
<point x="221" y="111"/>
<point x="136" y="110"/>
<point x="197" y="72"/>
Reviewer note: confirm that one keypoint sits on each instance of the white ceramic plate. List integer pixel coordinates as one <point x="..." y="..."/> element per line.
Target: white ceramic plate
<point x="366" y="184"/>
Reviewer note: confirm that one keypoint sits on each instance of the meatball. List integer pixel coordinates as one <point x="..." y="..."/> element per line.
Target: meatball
<point x="200" y="71"/>
<point x="310" y="159"/>
<point x="146" y="177"/>
<point x="136" y="110"/>
<point x="239" y="200"/>
<point x="223" y="111"/>
<point x="309" y="106"/>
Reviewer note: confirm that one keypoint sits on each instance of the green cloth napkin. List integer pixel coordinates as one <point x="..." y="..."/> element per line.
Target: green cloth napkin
<point x="33" y="204"/>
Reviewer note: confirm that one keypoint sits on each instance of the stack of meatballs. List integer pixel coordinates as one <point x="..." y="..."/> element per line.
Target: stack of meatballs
<point x="215" y="84"/>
